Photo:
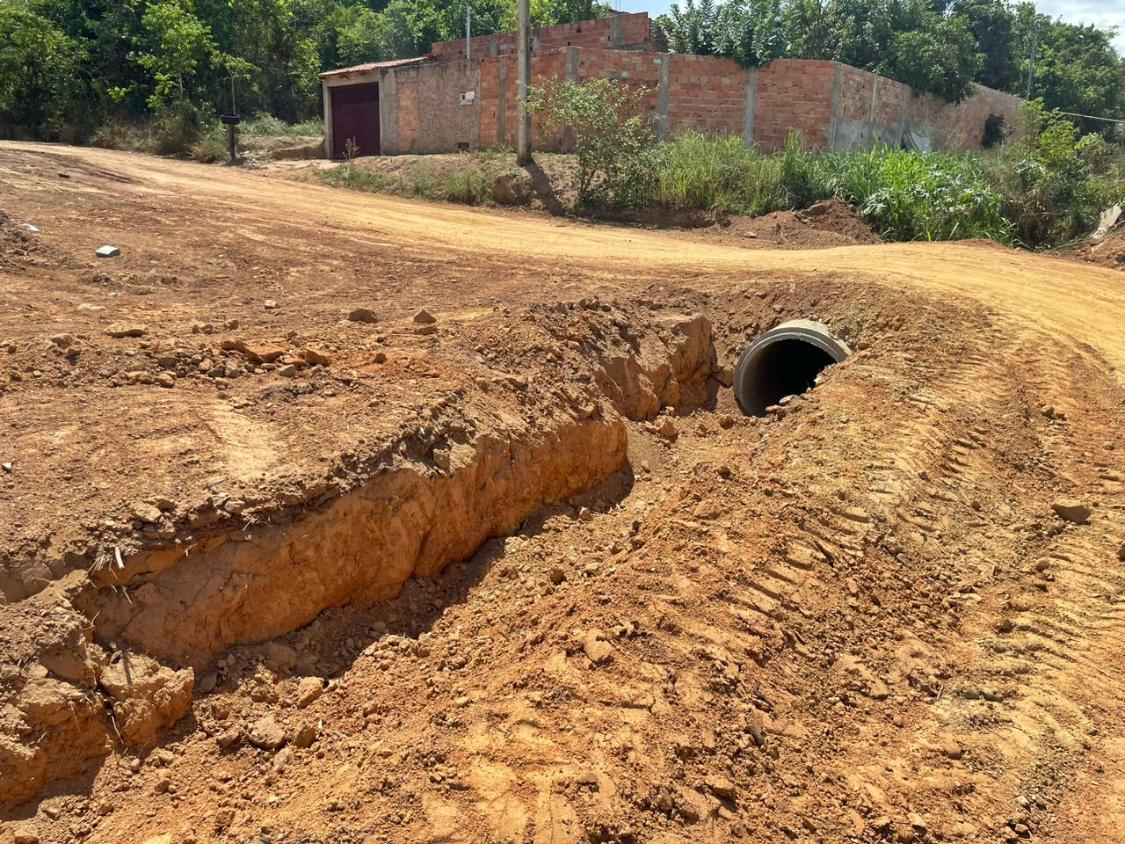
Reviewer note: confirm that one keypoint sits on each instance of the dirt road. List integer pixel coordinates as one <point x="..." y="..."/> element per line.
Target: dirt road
<point x="282" y="558"/>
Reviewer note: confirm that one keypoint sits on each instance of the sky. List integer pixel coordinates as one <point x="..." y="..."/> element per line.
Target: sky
<point x="1104" y="13"/>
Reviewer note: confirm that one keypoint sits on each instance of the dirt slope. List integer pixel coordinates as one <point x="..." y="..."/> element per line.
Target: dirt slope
<point x="858" y="619"/>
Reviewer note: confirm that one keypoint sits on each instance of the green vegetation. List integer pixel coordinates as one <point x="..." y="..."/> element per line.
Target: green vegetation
<point x="269" y="126"/>
<point x="477" y="178"/>
<point x="942" y="46"/>
<point x="154" y="74"/>
<point x="612" y="140"/>
<point x="1043" y="190"/>
<point x="70" y="67"/>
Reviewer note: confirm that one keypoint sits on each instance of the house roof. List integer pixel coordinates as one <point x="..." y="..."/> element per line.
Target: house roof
<point x="369" y="66"/>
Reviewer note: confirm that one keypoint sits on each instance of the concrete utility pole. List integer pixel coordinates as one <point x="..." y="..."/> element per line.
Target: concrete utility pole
<point x="1034" y="56"/>
<point x="523" y="73"/>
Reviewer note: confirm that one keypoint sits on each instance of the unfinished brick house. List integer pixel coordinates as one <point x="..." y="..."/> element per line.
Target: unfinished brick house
<point x="445" y="101"/>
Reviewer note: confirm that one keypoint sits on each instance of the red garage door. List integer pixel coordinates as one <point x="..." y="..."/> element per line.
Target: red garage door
<point x="355" y="115"/>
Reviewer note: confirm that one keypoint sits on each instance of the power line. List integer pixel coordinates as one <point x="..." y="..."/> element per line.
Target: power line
<point x="1091" y="117"/>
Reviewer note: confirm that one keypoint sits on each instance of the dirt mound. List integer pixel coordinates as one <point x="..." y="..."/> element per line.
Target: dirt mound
<point x="22" y="246"/>
<point x="1108" y="252"/>
<point x="828" y="223"/>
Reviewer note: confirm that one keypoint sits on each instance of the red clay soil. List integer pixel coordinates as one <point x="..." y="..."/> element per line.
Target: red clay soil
<point x="824" y="224"/>
<point x="1109" y="252"/>
<point x="333" y="517"/>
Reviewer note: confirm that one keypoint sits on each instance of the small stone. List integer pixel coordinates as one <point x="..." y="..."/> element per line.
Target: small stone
<point x="199" y="327"/>
<point x="556" y="576"/>
<point x="667" y="429"/>
<point x="443" y="458"/>
<point x="267" y="734"/>
<point x="726" y="422"/>
<point x="163" y="785"/>
<point x="229" y="738"/>
<point x="1072" y="510"/>
<point x="288" y="371"/>
<point x="725" y="376"/>
<point x="1120" y="551"/>
<point x="31" y="228"/>
<point x="721" y="787"/>
<point x="424" y="317"/>
<point x="270" y="305"/>
<point x="425" y="330"/>
<point x="596" y="648"/>
<point x="7" y="467"/>
<point x="362" y="315"/>
<point x="143" y="512"/>
<point x="255" y="352"/>
<point x="283" y="758"/>
<point x="951" y="748"/>
<point x="315" y="357"/>
<point x="25" y="836"/>
<point x="62" y="340"/>
<point x="107" y="252"/>
<point x="306" y="734"/>
<point x="308" y="690"/>
<point x="231" y="324"/>
<point x="126" y="329"/>
<point x="165" y="379"/>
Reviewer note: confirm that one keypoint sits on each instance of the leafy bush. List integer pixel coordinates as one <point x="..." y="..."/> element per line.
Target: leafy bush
<point x="176" y="131"/>
<point x="1054" y="184"/>
<point x="211" y="146"/>
<point x="468" y="186"/>
<point x="908" y="195"/>
<point x="612" y="139"/>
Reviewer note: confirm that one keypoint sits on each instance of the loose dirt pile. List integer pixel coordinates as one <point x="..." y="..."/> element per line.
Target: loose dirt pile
<point x="824" y="224"/>
<point x="311" y="533"/>
<point x="1108" y="252"/>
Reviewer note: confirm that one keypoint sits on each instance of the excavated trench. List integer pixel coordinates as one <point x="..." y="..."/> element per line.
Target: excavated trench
<point x="131" y="636"/>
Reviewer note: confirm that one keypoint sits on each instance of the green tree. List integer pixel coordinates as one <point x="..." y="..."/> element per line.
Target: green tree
<point x="38" y="67"/>
<point x="993" y="26"/>
<point x="177" y="45"/>
<point x="942" y="59"/>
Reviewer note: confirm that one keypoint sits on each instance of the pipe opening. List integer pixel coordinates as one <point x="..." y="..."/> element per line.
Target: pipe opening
<point x="785" y="361"/>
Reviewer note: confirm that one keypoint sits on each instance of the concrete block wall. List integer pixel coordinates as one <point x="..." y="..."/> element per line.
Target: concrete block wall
<point x="429" y="114"/>
<point x="870" y="108"/>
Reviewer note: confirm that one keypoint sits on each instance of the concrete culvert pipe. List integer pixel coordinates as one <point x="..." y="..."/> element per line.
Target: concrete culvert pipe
<point x="784" y="361"/>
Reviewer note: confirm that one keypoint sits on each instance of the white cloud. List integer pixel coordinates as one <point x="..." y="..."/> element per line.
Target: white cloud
<point x="1103" y="13"/>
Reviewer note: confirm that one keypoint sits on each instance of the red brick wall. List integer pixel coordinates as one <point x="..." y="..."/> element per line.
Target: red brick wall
<point x="710" y="95"/>
<point x="793" y="95"/>
<point x="544" y="66"/>
<point x="635" y="32"/>
<point x="705" y="94"/>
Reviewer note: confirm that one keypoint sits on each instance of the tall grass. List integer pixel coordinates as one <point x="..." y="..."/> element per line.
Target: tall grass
<point x="717" y="174"/>
<point x="908" y="195"/>
<point x="270" y="126"/>
<point x="904" y="195"/>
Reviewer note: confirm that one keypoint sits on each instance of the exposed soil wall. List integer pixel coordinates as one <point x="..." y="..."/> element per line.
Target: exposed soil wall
<point x="106" y="666"/>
